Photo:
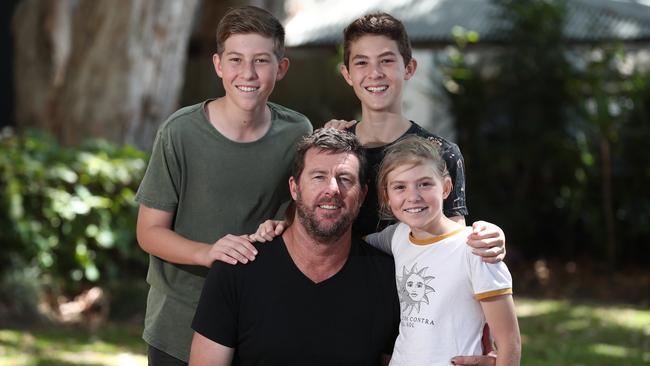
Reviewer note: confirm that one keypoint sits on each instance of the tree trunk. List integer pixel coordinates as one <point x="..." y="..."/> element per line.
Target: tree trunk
<point x="100" y="68"/>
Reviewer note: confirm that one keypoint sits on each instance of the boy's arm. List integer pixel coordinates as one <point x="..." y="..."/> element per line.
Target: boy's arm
<point x="500" y="314"/>
<point x="205" y="351"/>
<point x="487" y="239"/>
<point x="339" y="124"/>
<point x="383" y="239"/>
<point x="155" y="236"/>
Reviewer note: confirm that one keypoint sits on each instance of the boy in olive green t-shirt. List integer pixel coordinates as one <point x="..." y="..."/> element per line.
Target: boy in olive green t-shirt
<point x="217" y="168"/>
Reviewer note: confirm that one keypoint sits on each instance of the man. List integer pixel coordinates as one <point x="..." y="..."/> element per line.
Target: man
<point x="314" y="296"/>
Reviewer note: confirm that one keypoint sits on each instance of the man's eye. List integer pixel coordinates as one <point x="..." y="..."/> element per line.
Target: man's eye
<point x="261" y="61"/>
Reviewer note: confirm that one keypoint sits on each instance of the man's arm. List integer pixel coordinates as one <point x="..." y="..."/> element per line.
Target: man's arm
<point x="204" y="351"/>
<point x="155" y="236"/>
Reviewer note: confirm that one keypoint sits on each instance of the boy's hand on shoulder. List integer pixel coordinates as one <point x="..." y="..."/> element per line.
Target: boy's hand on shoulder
<point x="268" y="230"/>
<point x="487" y="241"/>
<point x="229" y="249"/>
<point x="339" y="124"/>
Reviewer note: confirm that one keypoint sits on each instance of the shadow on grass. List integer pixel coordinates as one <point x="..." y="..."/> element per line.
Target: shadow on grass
<point x="563" y="333"/>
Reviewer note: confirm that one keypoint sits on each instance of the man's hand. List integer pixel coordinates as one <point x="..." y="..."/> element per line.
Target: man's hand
<point x="229" y="249"/>
<point x="268" y="230"/>
<point x="488" y="360"/>
<point x="487" y="241"/>
<point x="339" y="124"/>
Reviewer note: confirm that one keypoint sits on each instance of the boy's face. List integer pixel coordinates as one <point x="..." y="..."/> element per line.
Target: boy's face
<point x="249" y="69"/>
<point x="377" y="73"/>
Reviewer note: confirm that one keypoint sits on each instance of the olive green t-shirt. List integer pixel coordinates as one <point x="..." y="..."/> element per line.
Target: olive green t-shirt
<point x="214" y="186"/>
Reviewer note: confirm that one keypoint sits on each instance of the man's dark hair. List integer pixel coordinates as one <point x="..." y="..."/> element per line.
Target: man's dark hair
<point x="331" y="141"/>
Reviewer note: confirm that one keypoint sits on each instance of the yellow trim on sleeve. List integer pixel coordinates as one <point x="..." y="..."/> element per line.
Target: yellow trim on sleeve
<point x="487" y="295"/>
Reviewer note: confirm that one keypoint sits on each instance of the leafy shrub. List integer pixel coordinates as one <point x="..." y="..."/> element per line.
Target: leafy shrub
<point x="566" y="129"/>
<point x="69" y="211"/>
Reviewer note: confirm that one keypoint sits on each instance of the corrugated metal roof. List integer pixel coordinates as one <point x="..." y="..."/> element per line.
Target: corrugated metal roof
<point x="431" y="21"/>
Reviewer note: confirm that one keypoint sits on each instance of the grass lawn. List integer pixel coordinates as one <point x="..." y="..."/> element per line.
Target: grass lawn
<point x="553" y="332"/>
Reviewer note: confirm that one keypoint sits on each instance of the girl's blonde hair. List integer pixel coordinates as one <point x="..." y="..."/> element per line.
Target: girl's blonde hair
<point x="410" y="150"/>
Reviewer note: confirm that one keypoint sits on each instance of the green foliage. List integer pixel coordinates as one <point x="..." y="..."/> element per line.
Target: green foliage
<point x="552" y="137"/>
<point x="69" y="212"/>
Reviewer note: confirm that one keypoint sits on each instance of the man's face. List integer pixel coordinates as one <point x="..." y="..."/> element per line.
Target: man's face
<point x="376" y="72"/>
<point x="249" y="69"/>
<point x="328" y="194"/>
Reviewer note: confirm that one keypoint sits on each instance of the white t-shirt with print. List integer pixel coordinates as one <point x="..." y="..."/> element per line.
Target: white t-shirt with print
<point x="440" y="283"/>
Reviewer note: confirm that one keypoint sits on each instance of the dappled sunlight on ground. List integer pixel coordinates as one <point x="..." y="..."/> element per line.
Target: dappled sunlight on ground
<point x="554" y="332"/>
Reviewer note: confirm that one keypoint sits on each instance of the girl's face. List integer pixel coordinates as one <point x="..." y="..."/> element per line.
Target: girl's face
<point x="415" y="196"/>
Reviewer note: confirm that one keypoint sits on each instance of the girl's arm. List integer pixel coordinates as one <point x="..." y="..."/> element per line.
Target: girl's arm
<point x="500" y="314"/>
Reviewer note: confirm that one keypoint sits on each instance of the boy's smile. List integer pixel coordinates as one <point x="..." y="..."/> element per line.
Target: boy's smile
<point x="249" y="69"/>
<point x="377" y="73"/>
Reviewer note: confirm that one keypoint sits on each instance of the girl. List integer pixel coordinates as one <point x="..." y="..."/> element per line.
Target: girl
<point x="446" y="293"/>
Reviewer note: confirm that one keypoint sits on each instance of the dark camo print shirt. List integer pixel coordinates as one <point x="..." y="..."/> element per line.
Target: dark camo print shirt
<point x="369" y="220"/>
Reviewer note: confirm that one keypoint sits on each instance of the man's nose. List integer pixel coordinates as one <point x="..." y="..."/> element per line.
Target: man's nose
<point x="333" y="186"/>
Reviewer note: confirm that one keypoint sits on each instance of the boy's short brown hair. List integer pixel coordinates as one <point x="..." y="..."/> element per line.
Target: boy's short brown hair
<point x="250" y="19"/>
<point x="380" y="24"/>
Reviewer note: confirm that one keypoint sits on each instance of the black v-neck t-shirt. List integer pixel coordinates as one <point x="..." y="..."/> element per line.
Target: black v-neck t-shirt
<point x="272" y="314"/>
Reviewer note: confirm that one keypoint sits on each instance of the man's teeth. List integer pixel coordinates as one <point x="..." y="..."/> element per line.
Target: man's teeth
<point x="376" y="89"/>
<point x="328" y="207"/>
<point x="247" y="88"/>
<point x="414" y="210"/>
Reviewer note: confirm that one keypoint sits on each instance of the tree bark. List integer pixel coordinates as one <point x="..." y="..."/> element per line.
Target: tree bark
<point x="100" y="68"/>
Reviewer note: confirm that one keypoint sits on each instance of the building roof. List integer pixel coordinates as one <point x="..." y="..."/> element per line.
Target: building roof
<point x="431" y="21"/>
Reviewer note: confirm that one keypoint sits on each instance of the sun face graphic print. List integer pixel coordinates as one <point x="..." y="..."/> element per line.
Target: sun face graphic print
<point x="414" y="289"/>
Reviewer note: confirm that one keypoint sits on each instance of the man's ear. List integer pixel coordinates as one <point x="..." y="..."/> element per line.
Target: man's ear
<point x="293" y="188"/>
<point x="345" y="73"/>
<point x="283" y="68"/>
<point x="411" y="66"/>
<point x="216" y="62"/>
<point x="446" y="190"/>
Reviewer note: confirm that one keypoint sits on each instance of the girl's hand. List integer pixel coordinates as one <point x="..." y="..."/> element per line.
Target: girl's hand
<point x="487" y="241"/>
